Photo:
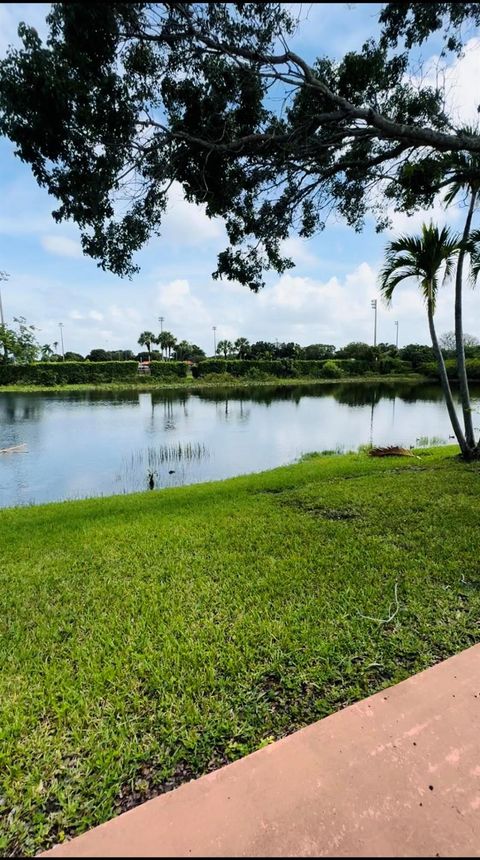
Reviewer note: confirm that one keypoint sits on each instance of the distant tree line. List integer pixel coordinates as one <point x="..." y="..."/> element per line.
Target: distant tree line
<point x="18" y="345"/>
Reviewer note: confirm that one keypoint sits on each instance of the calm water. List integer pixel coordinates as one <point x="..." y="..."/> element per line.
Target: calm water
<point x="91" y="444"/>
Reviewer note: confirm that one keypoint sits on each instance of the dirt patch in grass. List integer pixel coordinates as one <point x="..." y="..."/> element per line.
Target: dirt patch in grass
<point x="147" y="784"/>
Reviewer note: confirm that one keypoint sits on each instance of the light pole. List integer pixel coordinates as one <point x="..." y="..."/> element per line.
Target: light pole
<point x="374" y="306"/>
<point x="160" y="320"/>
<point x="396" y="337"/>
<point x="3" y="277"/>
<point x="214" y="329"/>
<point x="60" y="325"/>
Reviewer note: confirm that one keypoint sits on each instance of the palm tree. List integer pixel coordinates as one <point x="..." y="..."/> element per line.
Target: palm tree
<point x="162" y="340"/>
<point x="422" y="257"/>
<point x="182" y="350"/>
<point x="47" y="352"/>
<point x="242" y="347"/>
<point x="146" y="339"/>
<point x="170" y="342"/>
<point x="225" y="346"/>
<point x="463" y="176"/>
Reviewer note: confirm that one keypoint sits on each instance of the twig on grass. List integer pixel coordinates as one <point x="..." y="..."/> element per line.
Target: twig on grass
<point x="392" y="614"/>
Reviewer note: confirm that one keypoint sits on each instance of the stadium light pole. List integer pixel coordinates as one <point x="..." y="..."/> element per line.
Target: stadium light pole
<point x="374" y="306"/>
<point x="60" y="325"/>
<point x="4" y="276"/>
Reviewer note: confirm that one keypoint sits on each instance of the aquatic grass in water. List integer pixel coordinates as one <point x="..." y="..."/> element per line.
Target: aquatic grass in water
<point x="430" y="441"/>
<point x="149" y="466"/>
<point x="155" y="457"/>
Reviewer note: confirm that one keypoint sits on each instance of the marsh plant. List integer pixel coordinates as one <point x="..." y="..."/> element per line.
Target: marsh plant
<point x="430" y="441"/>
<point x="151" y="465"/>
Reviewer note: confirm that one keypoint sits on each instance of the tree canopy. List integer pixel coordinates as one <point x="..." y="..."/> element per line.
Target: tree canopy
<point x="19" y="344"/>
<point x="123" y="99"/>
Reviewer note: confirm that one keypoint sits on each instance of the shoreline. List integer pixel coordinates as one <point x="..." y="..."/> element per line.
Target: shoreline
<point x="197" y="384"/>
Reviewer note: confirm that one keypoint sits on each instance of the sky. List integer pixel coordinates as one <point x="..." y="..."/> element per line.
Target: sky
<point x="326" y="298"/>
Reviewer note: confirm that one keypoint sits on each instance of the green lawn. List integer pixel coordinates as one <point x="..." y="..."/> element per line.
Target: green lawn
<point x="147" y="639"/>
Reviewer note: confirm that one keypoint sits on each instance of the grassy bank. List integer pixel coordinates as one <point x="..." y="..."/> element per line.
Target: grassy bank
<point x="190" y="384"/>
<point x="150" y="638"/>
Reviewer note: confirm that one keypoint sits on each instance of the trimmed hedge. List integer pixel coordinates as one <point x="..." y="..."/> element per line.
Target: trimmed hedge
<point x="281" y="368"/>
<point x="472" y="365"/>
<point x="295" y="368"/>
<point x="76" y="372"/>
<point x="169" y="369"/>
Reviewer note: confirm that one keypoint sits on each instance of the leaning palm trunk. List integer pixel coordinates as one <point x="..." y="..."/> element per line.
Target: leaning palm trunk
<point x="457" y="429"/>
<point x="422" y="257"/>
<point x="460" y="348"/>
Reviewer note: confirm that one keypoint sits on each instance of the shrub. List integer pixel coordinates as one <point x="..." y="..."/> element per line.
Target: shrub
<point x="169" y="369"/>
<point x="332" y="370"/>
<point x="256" y="374"/>
<point x="390" y="364"/>
<point x="472" y="364"/>
<point x="217" y="378"/>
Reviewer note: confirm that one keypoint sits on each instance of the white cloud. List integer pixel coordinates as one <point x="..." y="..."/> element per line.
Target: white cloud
<point x="298" y="250"/>
<point x="89" y="315"/>
<point x="459" y="81"/>
<point x="62" y="245"/>
<point x="117" y="313"/>
<point x="174" y="293"/>
<point x="438" y="213"/>
<point x="334" y="310"/>
<point x="305" y="295"/>
<point x="186" y="224"/>
<point x="181" y="307"/>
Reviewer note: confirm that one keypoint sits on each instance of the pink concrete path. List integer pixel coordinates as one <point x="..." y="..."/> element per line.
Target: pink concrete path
<point x="397" y="774"/>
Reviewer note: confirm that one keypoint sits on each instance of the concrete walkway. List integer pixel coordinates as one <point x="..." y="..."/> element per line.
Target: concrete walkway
<point x="397" y="774"/>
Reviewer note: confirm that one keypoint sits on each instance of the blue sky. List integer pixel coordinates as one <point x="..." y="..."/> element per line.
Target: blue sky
<point x="325" y="299"/>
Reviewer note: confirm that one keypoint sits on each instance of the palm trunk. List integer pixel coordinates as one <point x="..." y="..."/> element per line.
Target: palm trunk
<point x="460" y="348"/>
<point x="466" y="451"/>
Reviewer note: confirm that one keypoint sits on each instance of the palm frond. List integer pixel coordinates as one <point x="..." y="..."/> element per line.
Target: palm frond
<point x="390" y="281"/>
<point x="420" y="257"/>
<point x="474" y="251"/>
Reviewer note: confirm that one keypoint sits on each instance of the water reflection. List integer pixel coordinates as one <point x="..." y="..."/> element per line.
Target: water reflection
<point x="19" y="407"/>
<point x="97" y="443"/>
<point x="362" y="395"/>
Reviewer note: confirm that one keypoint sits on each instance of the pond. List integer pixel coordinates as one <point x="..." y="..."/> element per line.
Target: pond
<point x="100" y="443"/>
